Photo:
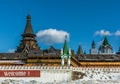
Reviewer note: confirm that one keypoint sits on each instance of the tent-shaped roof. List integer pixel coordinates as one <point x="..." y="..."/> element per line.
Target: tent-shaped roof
<point x="28" y="28"/>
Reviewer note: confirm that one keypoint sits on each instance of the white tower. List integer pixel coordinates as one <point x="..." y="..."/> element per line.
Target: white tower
<point x="65" y="54"/>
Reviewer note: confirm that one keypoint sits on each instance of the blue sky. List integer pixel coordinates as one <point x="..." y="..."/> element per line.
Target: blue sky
<point x="80" y="18"/>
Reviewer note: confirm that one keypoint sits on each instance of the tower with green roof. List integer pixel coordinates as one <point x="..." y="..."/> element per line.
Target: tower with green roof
<point x="105" y="48"/>
<point x="65" y="53"/>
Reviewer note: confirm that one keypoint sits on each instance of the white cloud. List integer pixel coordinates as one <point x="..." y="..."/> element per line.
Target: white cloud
<point x="11" y="50"/>
<point x="117" y="33"/>
<point x="103" y="32"/>
<point x="50" y="36"/>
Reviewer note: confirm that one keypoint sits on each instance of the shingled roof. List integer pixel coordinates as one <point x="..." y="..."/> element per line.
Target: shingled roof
<point x="28" y="28"/>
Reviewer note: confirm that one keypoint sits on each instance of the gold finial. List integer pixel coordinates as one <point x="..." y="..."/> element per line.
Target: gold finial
<point x="105" y="33"/>
<point x="28" y="16"/>
<point x="65" y="37"/>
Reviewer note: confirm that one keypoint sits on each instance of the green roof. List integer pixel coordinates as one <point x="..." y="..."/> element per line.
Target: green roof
<point x="105" y="41"/>
<point x="65" y="48"/>
<point x="93" y="44"/>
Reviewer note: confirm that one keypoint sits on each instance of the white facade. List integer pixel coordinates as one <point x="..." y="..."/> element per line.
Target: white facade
<point x="93" y="51"/>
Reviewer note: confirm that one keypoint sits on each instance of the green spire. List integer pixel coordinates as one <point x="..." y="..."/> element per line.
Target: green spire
<point x="65" y="47"/>
<point x="93" y="44"/>
<point x="79" y="50"/>
<point x="105" y="41"/>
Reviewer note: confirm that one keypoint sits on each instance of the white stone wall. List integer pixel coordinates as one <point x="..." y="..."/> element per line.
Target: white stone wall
<point x="64" y="74"/>
<point x="47" y="74"/>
